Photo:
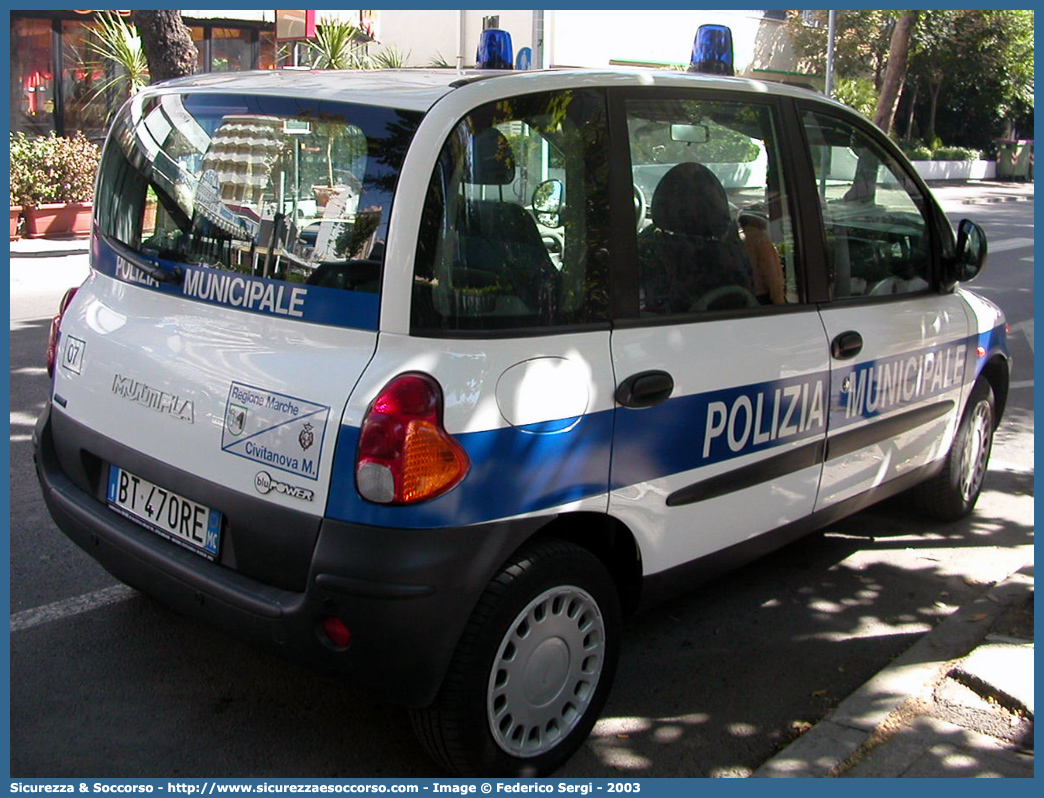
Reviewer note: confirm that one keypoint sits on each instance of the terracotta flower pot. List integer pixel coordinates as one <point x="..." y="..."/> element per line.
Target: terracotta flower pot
<point x="16" y="212"/>
<point x="59" y="220"/>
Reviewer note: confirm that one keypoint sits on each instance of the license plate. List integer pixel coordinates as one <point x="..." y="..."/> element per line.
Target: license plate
<point x="171" y="515"/>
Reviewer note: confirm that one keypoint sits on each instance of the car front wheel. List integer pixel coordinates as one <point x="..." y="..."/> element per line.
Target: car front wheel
<point x="952" y="493"/>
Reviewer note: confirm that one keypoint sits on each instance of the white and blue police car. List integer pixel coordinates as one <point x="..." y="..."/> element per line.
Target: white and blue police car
<point x="429" y="376"/>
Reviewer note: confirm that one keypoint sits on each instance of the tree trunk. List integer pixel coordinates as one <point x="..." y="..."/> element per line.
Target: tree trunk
<point x="933" y="106"/>
<point x="167" y="44"/>
<point x="912" y="106"/>
<point x="895" y="73"/>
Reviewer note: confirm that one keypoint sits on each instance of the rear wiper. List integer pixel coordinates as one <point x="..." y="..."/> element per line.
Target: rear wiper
<point x="173" y="276"/>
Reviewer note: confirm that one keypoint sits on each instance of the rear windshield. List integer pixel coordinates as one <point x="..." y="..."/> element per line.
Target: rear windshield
<point x="276" y="189"/>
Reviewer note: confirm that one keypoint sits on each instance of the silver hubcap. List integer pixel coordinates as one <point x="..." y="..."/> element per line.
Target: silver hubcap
<point x="976" y="450"/>
<point x="546" y="671"/>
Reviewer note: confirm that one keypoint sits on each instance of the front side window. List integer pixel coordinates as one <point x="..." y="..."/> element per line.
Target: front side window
<point x="714" y="231"/>
<point x="515" y="217"/>
<point x="280" y="189"/>
<point x="873" y="214"/>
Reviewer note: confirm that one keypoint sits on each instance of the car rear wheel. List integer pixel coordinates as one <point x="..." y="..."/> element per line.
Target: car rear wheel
<point x="952" y="493"/>
<point x="533" y="667"/>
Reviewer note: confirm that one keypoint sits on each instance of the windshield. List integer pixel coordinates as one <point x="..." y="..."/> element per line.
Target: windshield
<point x="279" y="189"/>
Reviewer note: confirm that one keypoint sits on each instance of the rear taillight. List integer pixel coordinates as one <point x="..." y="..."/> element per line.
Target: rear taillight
<point x="55" y="334"/>
<point x="405" y="454"/>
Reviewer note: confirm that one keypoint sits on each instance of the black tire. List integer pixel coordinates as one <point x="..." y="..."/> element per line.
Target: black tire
<point x="951" y="494"/>
<point x="532" y="670"/>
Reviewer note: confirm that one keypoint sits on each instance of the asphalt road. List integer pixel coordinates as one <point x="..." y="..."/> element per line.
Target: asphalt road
<point x="107" y="683"/>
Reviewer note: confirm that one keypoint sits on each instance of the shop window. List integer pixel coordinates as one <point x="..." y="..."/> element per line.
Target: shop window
<point x="268" y="52"/>
<point x="231" y="49"/>
<point x="198" y="35"/>
<point x="32" y="78"/>
<point x="90" y="89"/>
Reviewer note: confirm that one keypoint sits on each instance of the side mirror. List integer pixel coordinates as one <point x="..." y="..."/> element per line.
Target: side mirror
<point x="547" y="203"/>
<point x="970" y="256"/>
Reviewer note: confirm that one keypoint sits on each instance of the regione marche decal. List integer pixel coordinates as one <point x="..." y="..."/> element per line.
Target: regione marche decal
<point x="275" y="429"/>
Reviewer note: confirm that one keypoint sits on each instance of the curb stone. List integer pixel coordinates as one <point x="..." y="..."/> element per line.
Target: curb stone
<point x="887" y="705"/>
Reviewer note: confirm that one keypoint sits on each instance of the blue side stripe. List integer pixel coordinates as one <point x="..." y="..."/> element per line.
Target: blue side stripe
<point x="527" y="469"/>
<point x="993" y="342"/>
<point x="513" y="471"/>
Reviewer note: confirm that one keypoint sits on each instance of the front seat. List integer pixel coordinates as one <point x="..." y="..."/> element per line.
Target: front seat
<point x="499" y="241"/>
<point x="691" y="257"/>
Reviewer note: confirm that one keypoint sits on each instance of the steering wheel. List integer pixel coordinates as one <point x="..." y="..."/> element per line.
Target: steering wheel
<point x="640" y="207"/>
<point x="736" y="295"/>
<point x="889" y="285"/>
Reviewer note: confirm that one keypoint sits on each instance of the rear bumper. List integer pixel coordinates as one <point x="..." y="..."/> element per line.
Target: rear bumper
<point x="405" y="595"/>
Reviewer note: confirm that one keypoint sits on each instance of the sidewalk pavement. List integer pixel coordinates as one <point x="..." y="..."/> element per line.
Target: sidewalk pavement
<point x="49" y="247"/>
<point x="981" y="192"/>
<point x="958" y="703"/>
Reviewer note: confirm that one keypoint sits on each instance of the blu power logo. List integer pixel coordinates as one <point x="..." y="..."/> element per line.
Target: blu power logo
<point x="265" y="484"/>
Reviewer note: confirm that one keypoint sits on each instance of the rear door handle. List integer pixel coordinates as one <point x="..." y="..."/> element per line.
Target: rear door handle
<point x="645" y="389"/>
<point x="846" y="345"/>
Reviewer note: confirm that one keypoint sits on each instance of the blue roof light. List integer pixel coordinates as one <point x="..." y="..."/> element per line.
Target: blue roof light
<point x="494" y="50"/>
<point x="712" y="51"/>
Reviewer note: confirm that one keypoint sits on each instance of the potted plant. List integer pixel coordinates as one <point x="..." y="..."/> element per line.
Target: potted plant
<point x="20" y="159"/>
<point x="58" y="193"/>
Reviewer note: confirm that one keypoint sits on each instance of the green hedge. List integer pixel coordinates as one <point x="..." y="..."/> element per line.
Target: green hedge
<point x="956" y="154"/>
<point x="921" y="152"/>
<point x="52" y="168"/>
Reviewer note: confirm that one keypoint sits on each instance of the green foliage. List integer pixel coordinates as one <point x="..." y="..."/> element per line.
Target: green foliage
<point x="391" y="58"/>
<point x="918" y="152"/>
<point x="956" y="154"/>
<point x="20" y="159"/>
<point x="973" y="71"/>
<point x="52" y="168"/>
<point x="970" y="78"/>
<point x="338" y="44"/>
<point x="117" y="43"/>
<point x="857" y="93"/>
<point x="861" y="42"/>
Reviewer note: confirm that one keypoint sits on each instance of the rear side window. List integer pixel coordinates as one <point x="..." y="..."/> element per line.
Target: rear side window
<point x="280" y="189"/>
<point x="515" y="218"/>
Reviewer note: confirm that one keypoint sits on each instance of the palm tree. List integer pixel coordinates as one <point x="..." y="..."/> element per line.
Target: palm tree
<point x="391" y="58"/>
<point x="338" y="44"/>
<point x="117" y="43"/>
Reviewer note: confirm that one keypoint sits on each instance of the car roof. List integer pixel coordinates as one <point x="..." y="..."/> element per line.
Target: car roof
<point x="420" y="89"/>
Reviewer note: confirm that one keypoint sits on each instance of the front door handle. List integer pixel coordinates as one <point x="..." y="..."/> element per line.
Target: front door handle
<point x="645" y="389"/>
<point x="846" y="345"/>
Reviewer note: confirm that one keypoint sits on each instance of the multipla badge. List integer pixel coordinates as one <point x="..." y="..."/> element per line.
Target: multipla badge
<point x="280" y="431"/>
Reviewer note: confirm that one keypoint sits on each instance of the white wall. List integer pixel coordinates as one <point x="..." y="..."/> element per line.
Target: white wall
<point x="431" y="34"/>
<point x="587" y="38"/>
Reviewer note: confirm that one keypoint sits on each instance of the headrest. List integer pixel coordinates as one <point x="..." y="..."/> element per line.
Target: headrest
<point x="690" y="200"/>
<point x="492" y="162"/>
